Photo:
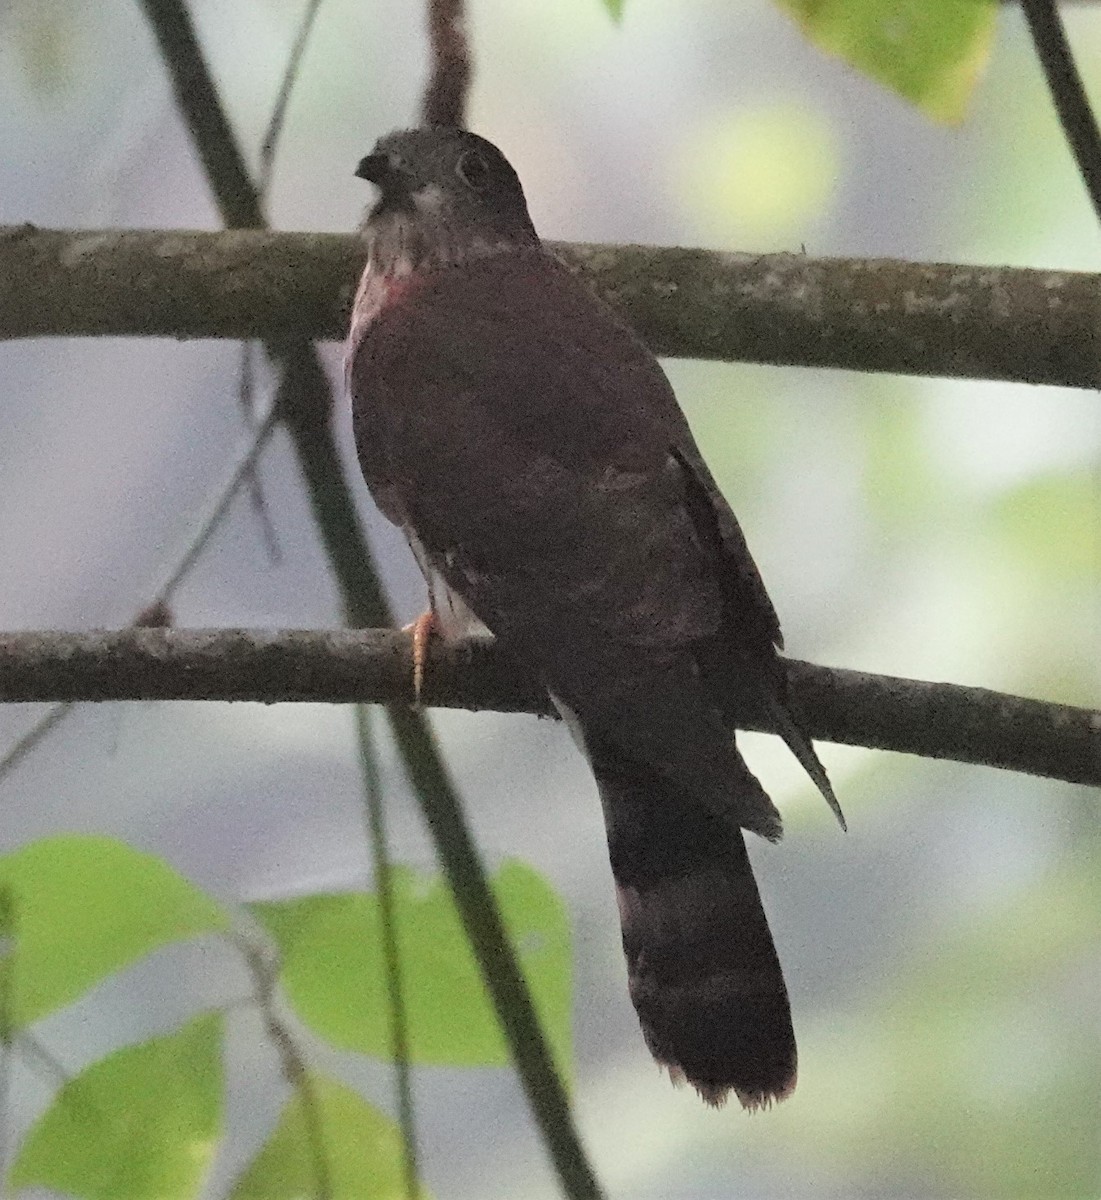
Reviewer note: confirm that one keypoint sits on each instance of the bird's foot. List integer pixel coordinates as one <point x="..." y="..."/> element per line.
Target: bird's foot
<point x="422" y="630"/>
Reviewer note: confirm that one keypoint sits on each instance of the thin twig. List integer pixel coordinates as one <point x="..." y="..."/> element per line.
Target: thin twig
<point x="295" y="1069"/>
<point x="375" y="822"/>
<point x="448" y="85"/>
<point x="268" y="149"/>
<point x="218" y="506"/>
<point x="28" y="742"/>
<point x="1067" y="92"/>
<point x="35" y="1051"/>
<point x="936" y="720"/>
<point x="171" y="24"/>
<point x="286" y="86"/>
<point x="155" y="612"/>
<point x="246" y="387"/>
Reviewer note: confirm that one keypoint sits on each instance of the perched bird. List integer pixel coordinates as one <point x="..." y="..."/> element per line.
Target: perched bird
<point x="533" y="452"/>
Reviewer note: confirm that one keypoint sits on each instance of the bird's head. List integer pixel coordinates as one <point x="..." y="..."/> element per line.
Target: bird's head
<point x="445" y="196"/>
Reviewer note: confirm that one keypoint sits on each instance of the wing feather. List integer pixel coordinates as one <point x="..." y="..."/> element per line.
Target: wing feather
<point x="582" y="434"/>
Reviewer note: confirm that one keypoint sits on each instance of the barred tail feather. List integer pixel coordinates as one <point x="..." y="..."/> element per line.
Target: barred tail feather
<point x="702" y="968"/>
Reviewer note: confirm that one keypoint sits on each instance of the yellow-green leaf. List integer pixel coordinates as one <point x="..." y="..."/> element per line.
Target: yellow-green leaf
<point x="929" y="51"/>
<point x="330" y="1142"/>
<point x="80" y="908"/>
<point x="143" y="1122"/>
<point x="333" y="974"/>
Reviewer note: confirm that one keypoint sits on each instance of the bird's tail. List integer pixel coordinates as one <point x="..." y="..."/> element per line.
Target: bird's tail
<point x="701" y="966"/>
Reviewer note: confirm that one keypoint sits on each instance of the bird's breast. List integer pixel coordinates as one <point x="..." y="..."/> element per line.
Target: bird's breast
<point x="378" y="291"/>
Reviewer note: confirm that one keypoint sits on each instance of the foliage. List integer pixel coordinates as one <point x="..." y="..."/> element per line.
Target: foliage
<point x="147" y="1119"/>
<point x="73" y="911"/>
<point x="143" y="1122"/>
<point x="362" y="1149"/>
<point x="929" y="51"/>
<point x="331" y="948"/>
<point x="83" y="907"/>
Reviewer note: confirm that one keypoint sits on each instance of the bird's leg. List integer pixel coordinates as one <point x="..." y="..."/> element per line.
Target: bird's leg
<point x="422" y="630"/>
<point x="428" y="622"/>
<point x="448" y="616"/>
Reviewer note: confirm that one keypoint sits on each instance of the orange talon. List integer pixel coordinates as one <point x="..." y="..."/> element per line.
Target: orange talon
<point x="422" y="630"/>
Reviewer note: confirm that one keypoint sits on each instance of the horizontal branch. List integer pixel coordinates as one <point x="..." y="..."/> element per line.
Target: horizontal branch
<point x="861" y="314"/>
<point x="936" y="720"/>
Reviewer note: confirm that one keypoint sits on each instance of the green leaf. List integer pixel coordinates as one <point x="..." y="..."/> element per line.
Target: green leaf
<point x="929" y="51"/>
<point x="82" y="908"/>
<point x="360" y="1150"/>
<point x="143" y="1122"/>
<point x="332" y="967"/>
<point x="614" y="9"/>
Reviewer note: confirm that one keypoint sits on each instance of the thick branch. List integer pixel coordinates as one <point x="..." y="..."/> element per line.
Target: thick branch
<point x="936" y="720"/>
<point x="860" y="314"/>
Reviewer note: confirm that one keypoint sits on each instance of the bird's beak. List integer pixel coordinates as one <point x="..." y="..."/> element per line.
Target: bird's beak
<point x="381" y="170"/>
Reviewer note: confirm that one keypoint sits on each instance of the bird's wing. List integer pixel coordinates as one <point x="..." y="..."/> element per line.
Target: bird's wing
<point x="536" y="448"/>
<point x="533" y="438"/>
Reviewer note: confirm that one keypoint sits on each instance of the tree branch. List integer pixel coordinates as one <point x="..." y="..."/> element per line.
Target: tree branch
<point x="158" y="610"/>
<point x="448" y="86"/>
<point x="860" y="314"/>
<point x="1067" y="92"/>
<point x="200" y="106"/>
<point x="935" y="720"/>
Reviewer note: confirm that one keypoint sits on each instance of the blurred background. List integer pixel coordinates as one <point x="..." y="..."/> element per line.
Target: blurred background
<point x="943" y="958"/>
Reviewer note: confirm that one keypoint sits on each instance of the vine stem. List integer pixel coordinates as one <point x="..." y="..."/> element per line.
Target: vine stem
<point x="1068" y="94"/>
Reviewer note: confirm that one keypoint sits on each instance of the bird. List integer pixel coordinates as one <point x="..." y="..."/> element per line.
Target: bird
<point x="532" y="450"/>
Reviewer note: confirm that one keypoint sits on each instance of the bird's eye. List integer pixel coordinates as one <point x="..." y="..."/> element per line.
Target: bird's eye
<point x="473" y="170"/>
